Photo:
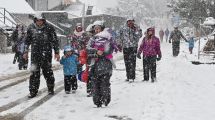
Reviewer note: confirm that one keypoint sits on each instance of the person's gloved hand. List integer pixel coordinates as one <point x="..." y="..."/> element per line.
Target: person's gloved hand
<point x="138" y="55"/>
<point x="159" y="58"/>
<point x="169" y="41"/>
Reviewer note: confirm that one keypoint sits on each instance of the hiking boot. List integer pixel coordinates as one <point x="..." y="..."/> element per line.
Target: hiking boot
<point x="89" y="95"/>
<point x="32" y="95"/>
<point x="145" y="80"/>
<point x="51" y="92"/>
<point x="127" y="80"/>
<point x="67" y="92"/>
<point x="153" y="80"/>
<point x="73" y="91"/>
<point x="99" y="105"/>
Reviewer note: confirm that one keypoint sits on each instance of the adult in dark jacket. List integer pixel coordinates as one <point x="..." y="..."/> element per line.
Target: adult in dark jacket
<point x="129" y="36"/>
<point x="175" y="38"/>
<point x="42" y="38"/>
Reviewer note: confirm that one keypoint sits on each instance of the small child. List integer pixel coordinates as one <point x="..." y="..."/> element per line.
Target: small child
<point x="70" y="63"/>
<point x="191" y="43"/>
<point x="104" y="42"/>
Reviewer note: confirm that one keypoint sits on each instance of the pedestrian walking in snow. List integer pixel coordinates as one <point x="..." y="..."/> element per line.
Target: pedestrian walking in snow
<point x="23" y="63"/>
<point x="129" y="36"/>
<point x="42" y="38"/>
<point x="167" y="34"/>
<point x="101" y="68"/>
<point x="70" y="63"/>
<point x="78" y="41"/>
<point x="161" y="35"/>
<point x="3" y="42"/>
<point x="175" y="38"/>
<point x="191" y="42"/>
<point x="17" y="33"/>
<point x="150" y="48"/>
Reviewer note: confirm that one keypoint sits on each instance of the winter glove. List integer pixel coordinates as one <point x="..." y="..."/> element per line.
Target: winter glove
<point x="159" y="58"/>
<point x="169" y="41"/>
<point x="138" y="55"/>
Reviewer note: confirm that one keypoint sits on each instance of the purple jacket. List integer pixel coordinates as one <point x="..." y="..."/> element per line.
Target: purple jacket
<point x="150" y="48"/>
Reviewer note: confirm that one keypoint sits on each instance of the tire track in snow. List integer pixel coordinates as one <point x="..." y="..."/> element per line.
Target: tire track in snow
<point x="20" y="116"/>
<point x="25" y="98"/>
<point x="24" y="76"/>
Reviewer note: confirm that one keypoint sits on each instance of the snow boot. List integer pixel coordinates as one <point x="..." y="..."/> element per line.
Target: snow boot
<point x="51" y="92"/>
<point x="32" y="95"/>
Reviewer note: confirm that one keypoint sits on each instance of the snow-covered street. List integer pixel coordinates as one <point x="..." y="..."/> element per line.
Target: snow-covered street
<point x="183" y="91"/>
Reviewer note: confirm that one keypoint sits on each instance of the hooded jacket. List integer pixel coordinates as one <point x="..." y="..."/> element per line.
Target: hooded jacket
<point x="150" y="48"/>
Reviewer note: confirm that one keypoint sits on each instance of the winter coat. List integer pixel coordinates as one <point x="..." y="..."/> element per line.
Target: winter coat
<point x="79" y="40"/>
<point x="130" y="37"/>
<point x="69" y="65"/>
<point x="21" y="45"/>
<point x="42" y="40"/>
<point x="191" y="42"/>
<point x="167" y="32"/>
<point x="176" y="35"/>
<point x="161" y="33"/>
<point x="150" y="48"/>
<point x="103" y="41"/>
<point x="102" y="66"/>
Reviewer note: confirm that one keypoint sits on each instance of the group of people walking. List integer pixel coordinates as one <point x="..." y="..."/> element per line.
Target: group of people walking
<point x="90" y="56"/>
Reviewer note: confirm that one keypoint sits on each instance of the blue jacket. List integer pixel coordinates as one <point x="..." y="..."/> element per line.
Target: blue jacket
<point x="69" y="65"/>
<point x="191" y="42"/>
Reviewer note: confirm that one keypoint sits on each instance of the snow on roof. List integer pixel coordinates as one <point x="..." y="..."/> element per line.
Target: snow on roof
<point x="17" y="6"/>
<point x="77" y="9"/>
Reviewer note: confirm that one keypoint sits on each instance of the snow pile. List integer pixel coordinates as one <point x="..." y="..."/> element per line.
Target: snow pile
<point x="209" y="21"/>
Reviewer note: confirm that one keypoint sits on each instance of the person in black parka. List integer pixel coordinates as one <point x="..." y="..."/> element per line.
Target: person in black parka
<point x="42" y="38"/>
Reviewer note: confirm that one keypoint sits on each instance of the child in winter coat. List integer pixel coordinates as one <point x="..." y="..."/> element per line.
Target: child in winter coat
<point x="70" y="63"/>
<point x="103" y="41"/>
<point x="150" y="48"/>
<point x="191" y="43"/>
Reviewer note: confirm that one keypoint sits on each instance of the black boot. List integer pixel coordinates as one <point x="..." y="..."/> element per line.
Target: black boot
<point x="51" y="92"/>
<point x="32" y="95"/>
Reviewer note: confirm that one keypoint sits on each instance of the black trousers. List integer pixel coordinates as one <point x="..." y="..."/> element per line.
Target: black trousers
<point x="16" y="57"/>
<point x="101" y="89"/>
<point x="23" y="63"/>
<point x="130" y="61"/>
<point x="90" y="79"/>
<point x="149" y="66"/>
<point x="34" y="82"/>
<point x="175" y="48"/>
<point x="70" y="81"/>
